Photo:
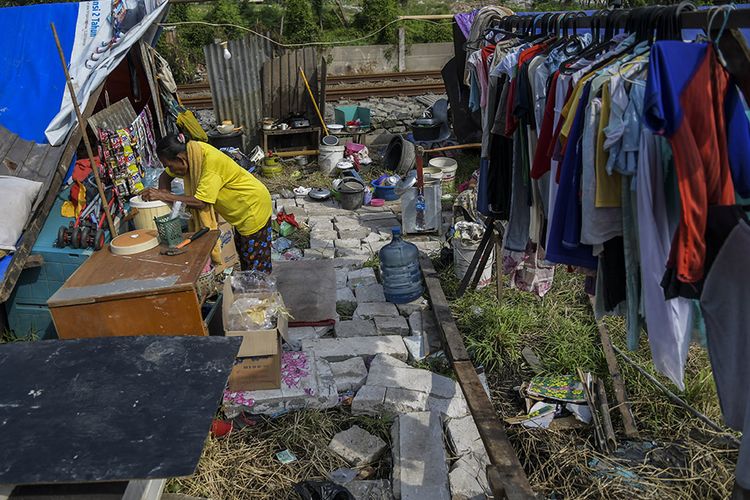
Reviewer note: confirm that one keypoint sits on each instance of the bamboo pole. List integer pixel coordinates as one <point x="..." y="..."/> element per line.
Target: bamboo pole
<point x="82" y="124"/>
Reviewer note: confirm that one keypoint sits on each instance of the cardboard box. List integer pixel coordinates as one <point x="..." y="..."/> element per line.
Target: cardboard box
<point x="257" y="373"/>
<point x="229" y="257"/>
<point x="254" y="342"/>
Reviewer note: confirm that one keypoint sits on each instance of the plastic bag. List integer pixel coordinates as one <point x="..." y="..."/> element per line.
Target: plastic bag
<point x="254" y="312"/>
<point x="151" y="176"/>
<point x="322" y="490"/>
<point x="252" y="282"/>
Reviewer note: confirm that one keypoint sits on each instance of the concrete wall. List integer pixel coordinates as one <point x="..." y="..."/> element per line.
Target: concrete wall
<point x="384" y="58"/>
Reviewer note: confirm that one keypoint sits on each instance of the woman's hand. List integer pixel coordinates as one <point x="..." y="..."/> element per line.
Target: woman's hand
<point x="152" y="194"/>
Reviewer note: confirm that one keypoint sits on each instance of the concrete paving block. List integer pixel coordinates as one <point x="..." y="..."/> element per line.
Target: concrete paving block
<point x="415" y="379"/>
<point x="369" y="293"/>
<point x="345" y="298"/>
<point x="353" y="253"/>
<point x="286" y="204"/>
<point x="429" y="247"/>
<point x="369" y="401"/>
<point x="319" y="253"/>
<point x="455" y="407"/>
<point x="375" y="246"/>
<point x="347" y="217"/>
<point x="323" y="234"/>
<point x="348" y="244"/>
<point x="415" y="323"/>
<point x="357" y="234"/>
<point x="316" y="243"/>
<point x="369" y="209"/>
<point x="419" y="461"/>
<point x="347" y="225"/>
<point x="381" y="215"/>
<point x="365" y="347"/>
<point x="359" y="277"/>
<point x="416" y="346"/>
<point x="407" y="309"/>
<point x="320" y="222"/>
<point x="464" y="437"/>
<point x="341" y="276"/>
<point x="375" y="237"/>
<point x="350" y="375"/>
<point x="356" y="328"/>
<point x="378" y="489"/>
<point x="398" y="401"/>
<point x="384" y="362"/>
<point x="357" y="446"/>
<point x="295" y="336"/>
<point x="391" y="325"/>
<point x="347" y="263"/>
<point x="370" y="310"/>
<point x="468" y="482"/>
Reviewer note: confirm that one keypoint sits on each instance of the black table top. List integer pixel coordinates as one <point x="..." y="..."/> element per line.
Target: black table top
<point x="108" y="409"/>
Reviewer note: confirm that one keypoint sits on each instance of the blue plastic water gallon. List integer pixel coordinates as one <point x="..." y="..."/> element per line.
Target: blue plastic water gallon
<point x="399" y="267"/>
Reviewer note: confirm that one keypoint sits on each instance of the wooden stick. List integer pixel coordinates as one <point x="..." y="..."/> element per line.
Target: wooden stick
<point x="472" y="145"/>
<point x="609" y="431"/>
<point x="312" y="97"/>
<point x="292" y="154"/>
<point x="621" y="393"/>
<point x="428" y="17"/>
<point x="82" y="124"/>
<point x="675" y="398"/>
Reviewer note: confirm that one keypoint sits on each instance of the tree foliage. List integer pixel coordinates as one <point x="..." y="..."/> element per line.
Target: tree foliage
<point x="299" y="22"/>
<point x="376" y="14"/>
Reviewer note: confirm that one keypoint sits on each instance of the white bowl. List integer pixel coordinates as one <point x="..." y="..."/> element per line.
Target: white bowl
<point x="225" y="128"/>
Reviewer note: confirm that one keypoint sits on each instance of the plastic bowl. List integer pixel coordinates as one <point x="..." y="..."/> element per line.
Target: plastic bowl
<point x="387" y="193"/>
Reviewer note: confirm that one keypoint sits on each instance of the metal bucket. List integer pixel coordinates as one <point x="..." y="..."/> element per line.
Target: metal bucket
<point x="352" y="193"/>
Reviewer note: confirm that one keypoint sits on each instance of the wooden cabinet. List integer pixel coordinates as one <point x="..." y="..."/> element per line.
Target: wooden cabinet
<point x="142" y="294"/>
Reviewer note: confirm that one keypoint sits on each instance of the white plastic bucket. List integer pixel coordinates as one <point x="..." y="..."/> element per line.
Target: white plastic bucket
<point x="147" y="210"/>
<point x="463" y="253"/>
<point x="328" y="157"/>
<point x="448" y="166"/>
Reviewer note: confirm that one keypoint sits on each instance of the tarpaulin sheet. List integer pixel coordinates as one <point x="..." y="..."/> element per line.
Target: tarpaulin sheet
<point x="96" y="36"/>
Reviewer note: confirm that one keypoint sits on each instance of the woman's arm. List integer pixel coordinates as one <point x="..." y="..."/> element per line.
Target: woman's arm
<point x="165" y="181"/>
<point x="157" y="194"/>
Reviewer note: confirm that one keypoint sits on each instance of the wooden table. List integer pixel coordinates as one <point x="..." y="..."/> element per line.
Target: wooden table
<point x="142" y="294"/>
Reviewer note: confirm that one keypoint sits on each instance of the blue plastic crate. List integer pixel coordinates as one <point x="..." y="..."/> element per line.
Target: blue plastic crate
<point x="27" y="306"/>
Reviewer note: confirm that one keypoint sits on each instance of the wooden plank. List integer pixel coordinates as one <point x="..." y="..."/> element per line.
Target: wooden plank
<point x="452" y="337"/>
<point x="149" y="68"/>
<point x="58" y="160"/>
<point x="144" y="489"/>
<point x="506" y="475"/>
<point x="618" y="383"/>
<point x="106" y="276"/>
<point x="513" y="484"/>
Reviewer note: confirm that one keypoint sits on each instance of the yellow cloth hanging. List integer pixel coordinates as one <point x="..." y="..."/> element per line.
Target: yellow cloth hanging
<point x="207" y="216"/>
<point x="189" y="123"/>
<point x="72" y="210"/>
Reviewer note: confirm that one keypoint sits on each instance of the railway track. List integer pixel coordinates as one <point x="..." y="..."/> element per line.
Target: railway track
<point x="197" y="95"/>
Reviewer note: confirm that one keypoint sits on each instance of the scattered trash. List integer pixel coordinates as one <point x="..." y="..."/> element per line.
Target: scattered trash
<point x="582" y="413"/>
<point x="302" y="191"/>
<point x="566" y="388"/>
<point x="285" y="193"/>
<point x="282" y="244"/>
<point x="468" y="231"/>
<point x="607" y="470"/>
<point x="285" y="228"/>
<point x="343" y="476"/>
<point x="366" y="472"/>
<point x="286" y="457"/>
<point x="540" y="416"/>
<point x="220" y="428"/>
<point x="294" y="367"/>
<point x="292" y="254"/>
<point x="321" y="490"/>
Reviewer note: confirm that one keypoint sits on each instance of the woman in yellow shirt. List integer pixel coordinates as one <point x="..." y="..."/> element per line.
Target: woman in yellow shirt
<point x="235" y="194"/>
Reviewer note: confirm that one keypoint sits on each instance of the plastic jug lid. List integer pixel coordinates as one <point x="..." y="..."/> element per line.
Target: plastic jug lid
<point x="396" y="230"/>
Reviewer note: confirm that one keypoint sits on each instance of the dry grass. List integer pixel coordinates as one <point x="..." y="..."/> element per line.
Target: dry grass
<point x="243" y="465"/>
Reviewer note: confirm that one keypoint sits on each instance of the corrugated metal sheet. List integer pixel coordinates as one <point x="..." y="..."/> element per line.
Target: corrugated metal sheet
<point x="236" y="88"/>
<point x="284" y="92"/>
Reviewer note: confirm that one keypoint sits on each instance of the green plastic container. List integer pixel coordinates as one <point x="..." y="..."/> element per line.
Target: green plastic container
<point x="170" y="231"/>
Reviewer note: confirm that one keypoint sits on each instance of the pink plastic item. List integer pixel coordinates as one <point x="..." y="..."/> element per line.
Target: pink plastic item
<point x="377" y="202"/>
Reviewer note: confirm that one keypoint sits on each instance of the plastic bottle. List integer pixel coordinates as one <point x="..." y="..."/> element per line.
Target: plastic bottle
<point x="420" y="206"/>
<point x="399" y="267"/>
